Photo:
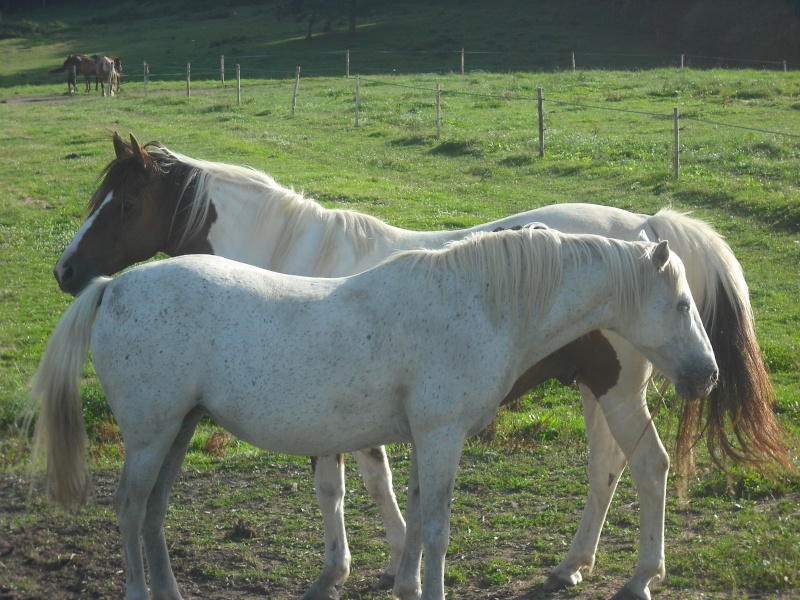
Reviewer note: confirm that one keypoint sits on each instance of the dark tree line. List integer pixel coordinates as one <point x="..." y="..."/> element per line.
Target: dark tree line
<point x="759" y="29"/>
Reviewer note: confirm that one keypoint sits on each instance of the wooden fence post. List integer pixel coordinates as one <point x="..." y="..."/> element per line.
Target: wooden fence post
<point x="146" y="70"/>
<point x="784" y="66"/>
<point x="296" y="87"/>
<point x="681" y="61"/>
<point x="573" y="62"/>
<point x="357" y="97"/>
<point x="222" y="68"/>
<point x="238" y="85"/>
<point x="438" y="112"/>
<point x="347" y="65"/>
<point x="676" y="161"/>
<point x="188" y="79"/>
<point x="541" y="122"/>
<point x="462" y="61"/>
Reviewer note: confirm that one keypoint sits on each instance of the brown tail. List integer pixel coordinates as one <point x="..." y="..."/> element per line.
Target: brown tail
<point x="736" y="419"/>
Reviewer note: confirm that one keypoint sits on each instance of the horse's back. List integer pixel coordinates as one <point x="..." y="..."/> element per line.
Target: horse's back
<point x="595" y="219"/>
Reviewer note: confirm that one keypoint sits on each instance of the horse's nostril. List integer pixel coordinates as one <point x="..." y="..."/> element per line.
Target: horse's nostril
<point x="64" y="274"/>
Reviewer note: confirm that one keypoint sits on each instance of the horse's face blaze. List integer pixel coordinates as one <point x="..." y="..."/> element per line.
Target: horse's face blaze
<point x="125" y="226"/>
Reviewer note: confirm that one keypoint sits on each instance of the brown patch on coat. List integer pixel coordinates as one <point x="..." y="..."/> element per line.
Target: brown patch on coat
<point x="590" y="360"/>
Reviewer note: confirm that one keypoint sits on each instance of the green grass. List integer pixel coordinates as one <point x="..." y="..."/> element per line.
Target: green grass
<point x="485" y="166"/>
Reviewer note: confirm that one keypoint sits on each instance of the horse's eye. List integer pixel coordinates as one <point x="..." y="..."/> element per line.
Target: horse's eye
<point x="127" y="208"/>
<point x="684" y="306"/>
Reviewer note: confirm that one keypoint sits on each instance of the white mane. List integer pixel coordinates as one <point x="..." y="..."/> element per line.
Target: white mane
<point x="510" y="266"/>
<point x="296" y="211"/>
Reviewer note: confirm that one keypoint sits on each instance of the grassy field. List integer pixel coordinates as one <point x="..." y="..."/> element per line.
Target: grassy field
<point x="608" y="140"/>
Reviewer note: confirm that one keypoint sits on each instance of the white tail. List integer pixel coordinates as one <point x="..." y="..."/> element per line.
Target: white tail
<point x="60" y="429"/>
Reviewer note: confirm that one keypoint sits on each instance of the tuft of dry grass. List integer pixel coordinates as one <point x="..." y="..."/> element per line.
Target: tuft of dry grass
<point x="218" y="443"/>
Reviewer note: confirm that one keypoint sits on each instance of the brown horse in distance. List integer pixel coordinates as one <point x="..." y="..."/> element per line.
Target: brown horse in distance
<point x="85" y="65"/>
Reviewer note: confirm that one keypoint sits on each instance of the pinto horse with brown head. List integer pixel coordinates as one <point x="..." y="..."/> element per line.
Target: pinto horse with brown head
<point x="153" y="200"/>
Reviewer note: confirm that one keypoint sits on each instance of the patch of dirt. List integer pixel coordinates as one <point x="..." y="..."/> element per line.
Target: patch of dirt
<point x="230" y="535"/>
<point x="43" y="204"/>
<point x="29" y="99"/>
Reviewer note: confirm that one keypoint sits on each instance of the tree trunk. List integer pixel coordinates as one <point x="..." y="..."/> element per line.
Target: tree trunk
<point x="351" y="29"/>
<point x="311" y="20"/>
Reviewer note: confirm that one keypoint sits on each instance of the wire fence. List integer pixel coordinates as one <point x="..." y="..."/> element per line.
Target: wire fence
<point x="345" y="62"/>
<point x="257" y="71"/>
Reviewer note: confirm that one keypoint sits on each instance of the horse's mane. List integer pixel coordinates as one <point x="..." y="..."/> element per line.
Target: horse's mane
<point x="277" y="202"/>
<point x="508" y="266"/>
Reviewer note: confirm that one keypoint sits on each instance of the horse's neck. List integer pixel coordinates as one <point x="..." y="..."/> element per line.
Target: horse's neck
<point x="583" y="304"/>
<point x="252" y="226"/>
<point x="232" y="234"/>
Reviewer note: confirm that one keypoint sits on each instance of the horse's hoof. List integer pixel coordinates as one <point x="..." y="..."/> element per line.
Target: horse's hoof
<point x="316" y="594"/>
<point x="555" y="583"/>
<point x="627" y="594"/>
<point x="386" y="582"/>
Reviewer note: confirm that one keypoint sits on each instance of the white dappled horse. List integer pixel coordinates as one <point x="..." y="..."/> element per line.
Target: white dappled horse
<point x="422" y="348"/>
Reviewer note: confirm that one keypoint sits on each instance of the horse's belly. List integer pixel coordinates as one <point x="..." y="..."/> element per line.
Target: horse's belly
<point x="311" y="426"/>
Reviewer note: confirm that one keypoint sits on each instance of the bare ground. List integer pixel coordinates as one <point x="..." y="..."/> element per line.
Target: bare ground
<point x="270" y="550"/>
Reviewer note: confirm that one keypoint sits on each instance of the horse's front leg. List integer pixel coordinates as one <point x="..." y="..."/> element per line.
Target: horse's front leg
<point x="606" y="462"/>
<point x="407" y="583"/>
<point x="437" y="455"/>
<point x="329" y="485"/>
<point x="374" y="468"/>
<point x="649" y="465"/>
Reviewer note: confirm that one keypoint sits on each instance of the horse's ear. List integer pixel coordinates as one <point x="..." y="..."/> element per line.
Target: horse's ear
<point x="643" y="236"/>
<point x="661" y="255"/>
<point x="141" y="154"/>
<point x="120" y="147"/>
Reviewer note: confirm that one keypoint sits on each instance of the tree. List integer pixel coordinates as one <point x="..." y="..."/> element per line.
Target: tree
<point x="326" y="10"/>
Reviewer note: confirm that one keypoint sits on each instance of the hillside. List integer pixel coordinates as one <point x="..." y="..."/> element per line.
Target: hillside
<point x="271" y="37"/>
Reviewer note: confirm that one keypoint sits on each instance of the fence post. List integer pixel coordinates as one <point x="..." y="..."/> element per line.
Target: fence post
<point x="188" y="79"/>
<point x="296" y="86"/>
<point x="347" y="65"/>
<point x="541" y="122"/>
<point x="222" y="68"/>
<point x="357" y="97"/>
<point x="238" y="85"/>
<point x="784" y="65"/>
<point x="438" y="112"/>
<point x="462" y="61"/>
<point x="676" y="161"/>
<point x="146" y="70"/>
<point x="573" y="62"/>
<point x="681" y="61"/>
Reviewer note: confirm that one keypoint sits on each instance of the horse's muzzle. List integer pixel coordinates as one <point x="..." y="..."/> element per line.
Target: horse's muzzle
<point x="698" y="384"/>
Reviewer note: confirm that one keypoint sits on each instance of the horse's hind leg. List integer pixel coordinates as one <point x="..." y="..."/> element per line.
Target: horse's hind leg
<point x="377" y="475"/>
<point x="143" y="462"/>
<point x="155" y="545"/>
